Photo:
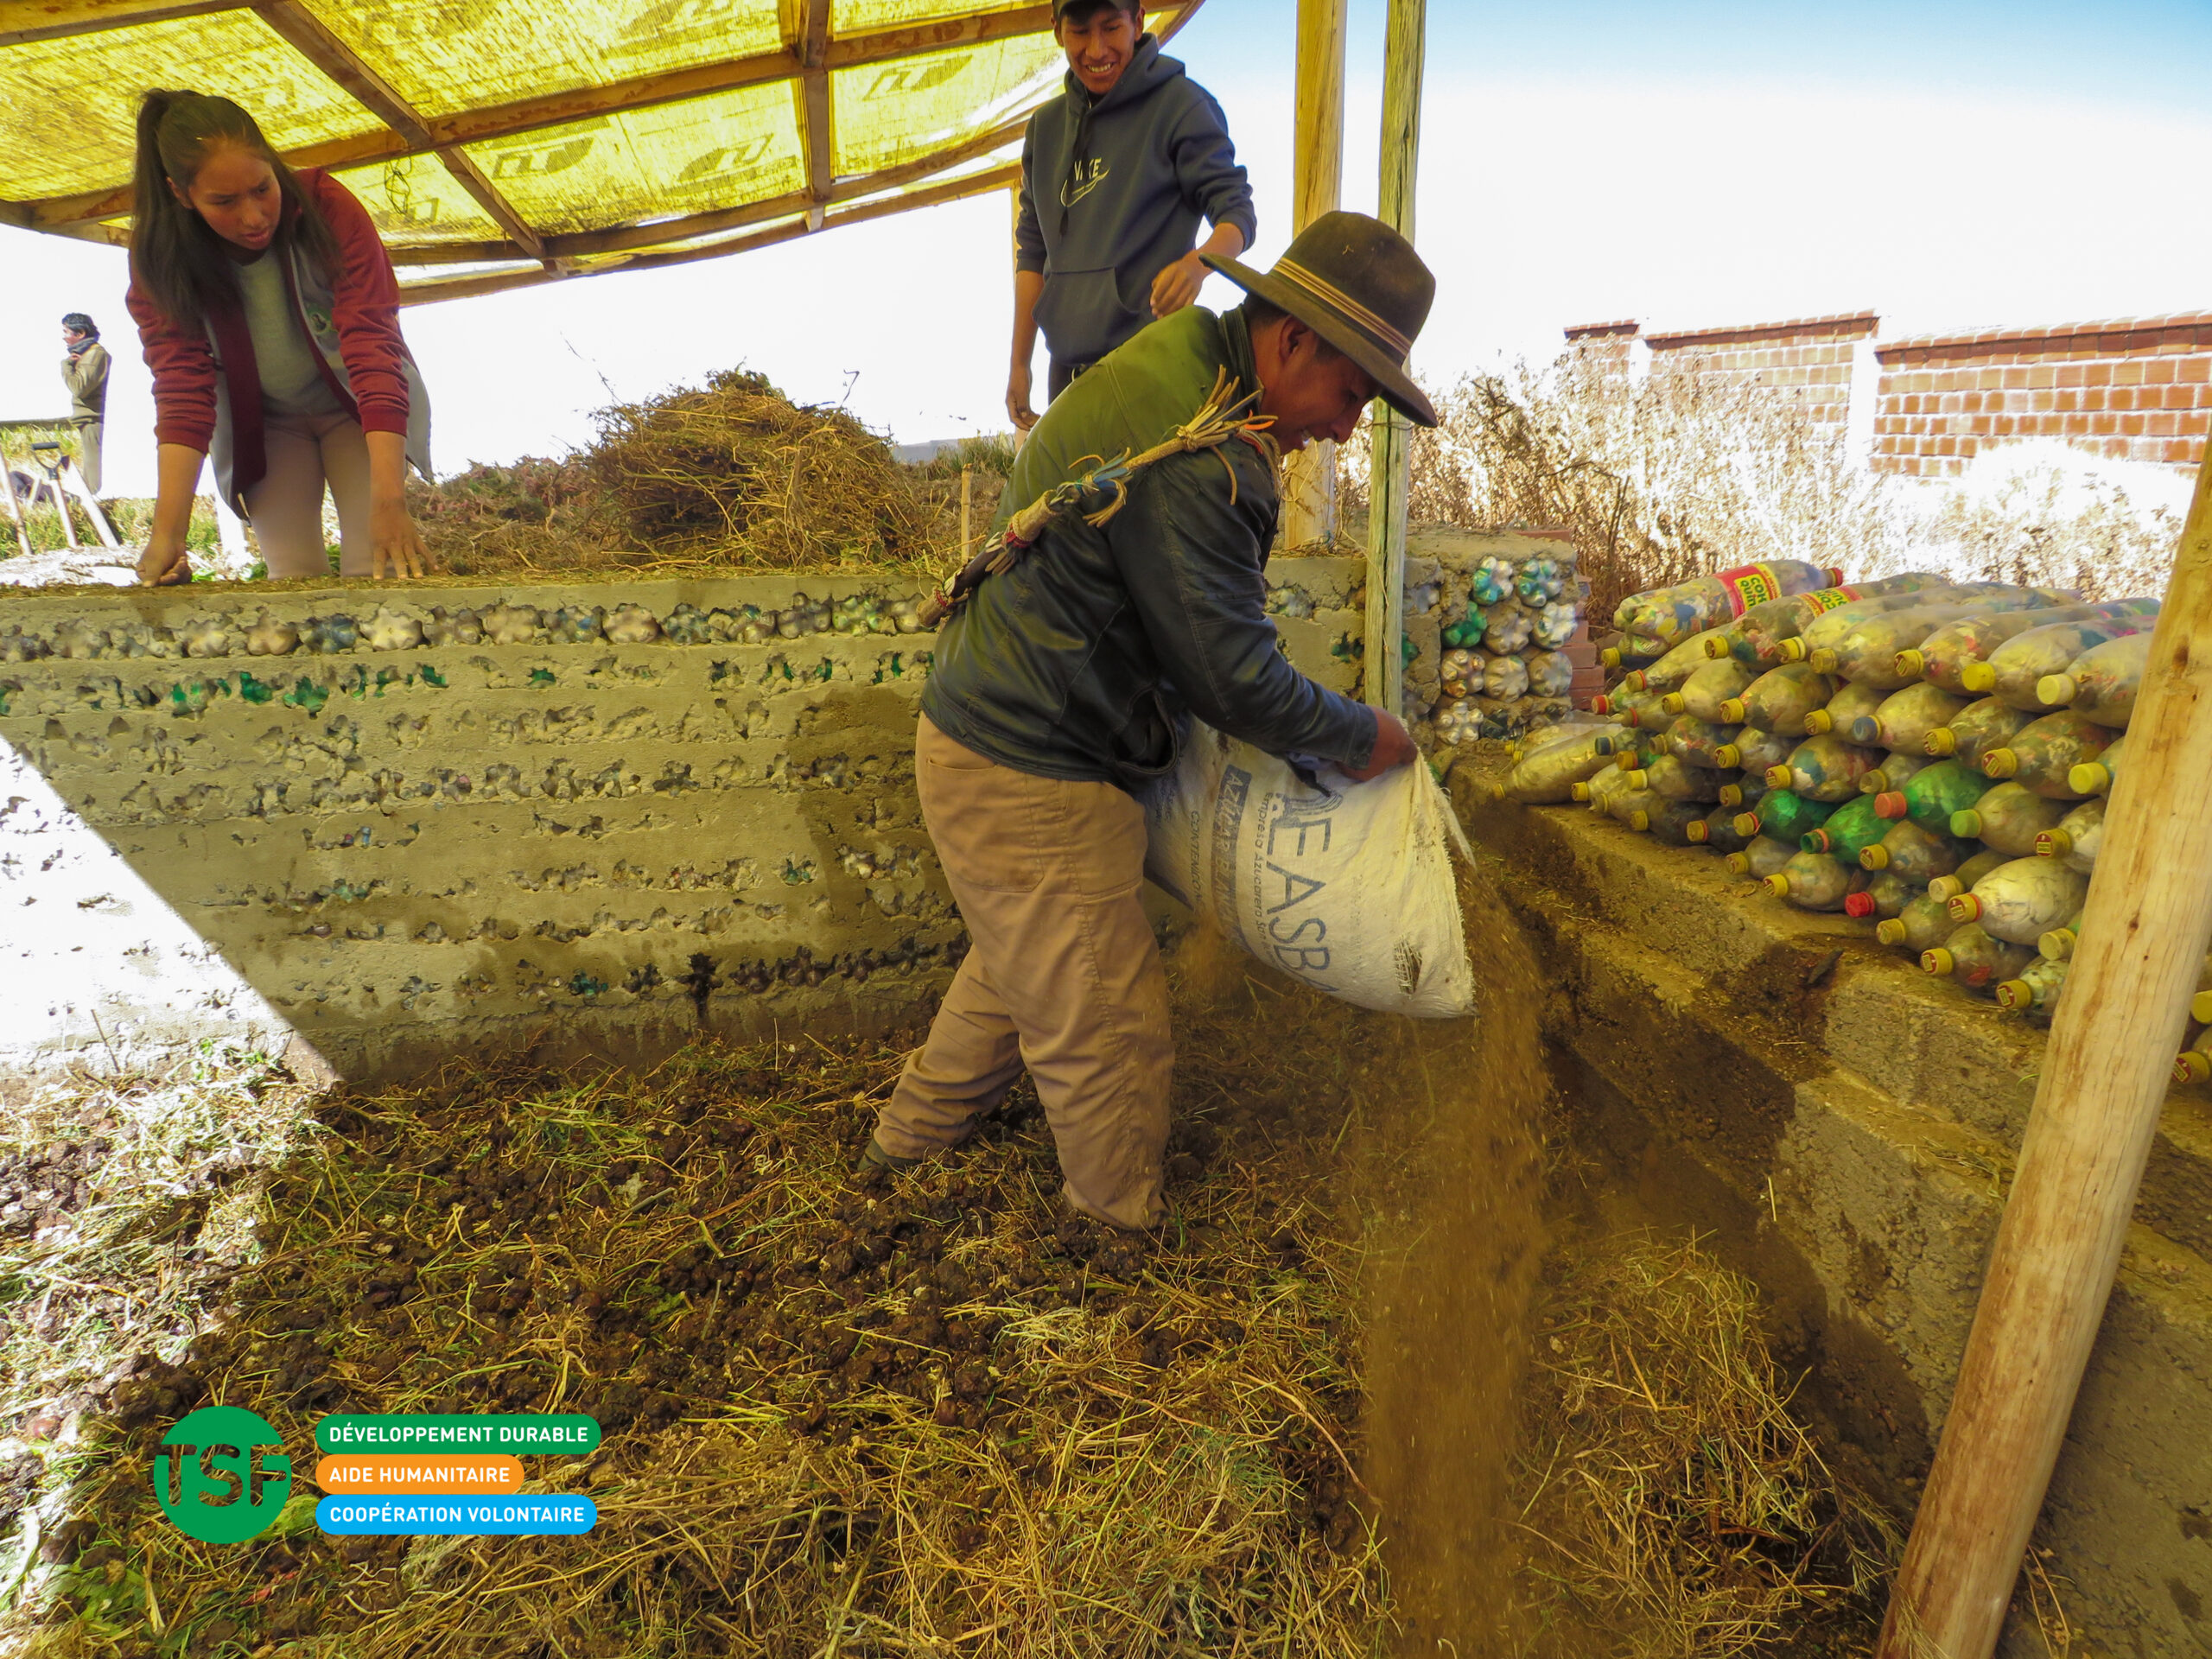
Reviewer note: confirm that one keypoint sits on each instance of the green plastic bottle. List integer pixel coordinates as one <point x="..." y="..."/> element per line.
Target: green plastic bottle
<point x="1898" y="768"/>
<point x="1849" y="831"/>
<point x="1849" y="703"/>
<point x="1824" y="769"/>
<point x="1971" y="957"/>
<point x="2074" y="840"/>
<point x="1784" y="814"/>
<point x="1916" y="853"/>
<point x="2094" y="777"/>
<point x="1670" y="823"/>
<point x="1934" y="792"/>
<point x="1943" y="656"/>
<point x="1761" y="857"/>
<point x="2015" y="667"/>
<point x="1906" y="717"/>
<point x="1753" y="751"/>
<point x="1948" y="887"/>
<point x="2042" y="753"/>
<point x="1815" y="881"/>
<point x="1674" y="779"/>
<point x="1979" y="728"/>
<point x="2103" y="681"/>
<point x="2021" y="901"/>
<point x="1709" y="685"/>
<point x="2008" y="818"/>
<point x="1717" y="832"/>
<point x="1922" y="924"/>
<point x="1780" y="699"/>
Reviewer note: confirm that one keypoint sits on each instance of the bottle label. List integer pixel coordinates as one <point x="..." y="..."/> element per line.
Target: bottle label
<point x="1749" y="585"/>
<point x="1827" y="599"/>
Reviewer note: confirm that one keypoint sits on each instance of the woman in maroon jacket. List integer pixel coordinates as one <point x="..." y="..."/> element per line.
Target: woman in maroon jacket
<point x="269" y="316"/>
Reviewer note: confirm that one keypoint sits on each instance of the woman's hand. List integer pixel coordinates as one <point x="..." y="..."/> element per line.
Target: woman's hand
<point x="395" y="545"/>
<point x="165" y="560"/>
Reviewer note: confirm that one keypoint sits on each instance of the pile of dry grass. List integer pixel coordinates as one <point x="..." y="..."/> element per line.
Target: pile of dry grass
<point x="1671" y="1499"/>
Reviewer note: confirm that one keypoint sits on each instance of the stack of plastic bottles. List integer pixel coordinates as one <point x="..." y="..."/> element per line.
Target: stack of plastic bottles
<point x="1506" y="625"/>
<point x="1930" y="756"/>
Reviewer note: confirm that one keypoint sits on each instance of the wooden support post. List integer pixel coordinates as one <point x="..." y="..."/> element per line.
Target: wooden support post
<point x="2143" y="939"/>
<point x="967" y="499"/>
<point x="1309" y="505"/>
<point x="14" y="507"/>
<point x="1390" y="467"/>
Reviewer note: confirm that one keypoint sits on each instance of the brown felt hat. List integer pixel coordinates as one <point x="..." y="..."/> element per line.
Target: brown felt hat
<point x="1359" y="285"/>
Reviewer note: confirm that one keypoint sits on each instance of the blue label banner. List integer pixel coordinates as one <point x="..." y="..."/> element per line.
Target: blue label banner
<point x="456" y="1516"/>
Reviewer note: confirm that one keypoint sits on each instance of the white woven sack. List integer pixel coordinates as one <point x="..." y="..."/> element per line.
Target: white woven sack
<point x="1346" y="886"/>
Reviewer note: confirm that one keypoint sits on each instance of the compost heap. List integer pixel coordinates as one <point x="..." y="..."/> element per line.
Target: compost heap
<point x="932" y="1413"/>
<point x="730" y="475"/>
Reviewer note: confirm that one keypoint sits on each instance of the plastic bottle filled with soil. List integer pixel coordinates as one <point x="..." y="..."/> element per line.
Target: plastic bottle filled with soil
<point x="1671" y="823"/>
<point x="1824" y="769"/>
<point x="2094" y="777"/>
<point x="1943" y="656"/>
<point x="2102" y="683"/>
<point x="2042" y="753"/>
<point x="1784" y="814"/>
<point x="1898" y="768"/>
<point x="1815" y="881"/>
<point x="1674" y="779"/>
<point x="1699" y="742"/>
<point x="1885" y="895"/>
<point x="1753" y="751"/>
<point x="2037" y="989"/>
<point x="2007" y="819"/>
<point x="1948" y="887"/>
<point x="2074" y="840"/>
<point x="1905" y="718"/>
<point x="1709" y="685"/>
<point x="2022" y="901"/>
<point x="1972" y="957"/>
<point x="1844" y="708"/>
<point x="1917" y="854"/>
<point x="1689" y="607"/>
<point x="1849" y="831"/>
<point x="1922" y="924"/>
<point x="1717" y="832"/>
<point x="1979" y="728"/>
<point x="1934" y="793"/>
<point x="1764" y="627"/>
<point x="2015" y="667"/>
<point x="1761" y="857"/>
<point x="1780" y="699"/>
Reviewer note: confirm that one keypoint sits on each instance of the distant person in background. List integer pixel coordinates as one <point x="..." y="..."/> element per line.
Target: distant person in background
<point x="270" y="314"/>
<point x="84" y="370"/>
<point x="1115" y="178"/>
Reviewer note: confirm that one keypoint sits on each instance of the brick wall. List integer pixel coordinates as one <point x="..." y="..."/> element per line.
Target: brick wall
<point x="2134" y="389"/>
<point x="1810" y="358"/>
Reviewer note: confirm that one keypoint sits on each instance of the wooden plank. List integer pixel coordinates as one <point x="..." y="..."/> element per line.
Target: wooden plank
<point x="810" y="45"/>
<point x="2143" y="939"/>
<point x="1309" y="505"/>
<point x="1390" y="472"/>
<point x="24" y="20"/>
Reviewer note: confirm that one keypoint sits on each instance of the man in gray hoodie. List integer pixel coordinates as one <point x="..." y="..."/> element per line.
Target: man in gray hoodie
<point x="1115" y="178"/>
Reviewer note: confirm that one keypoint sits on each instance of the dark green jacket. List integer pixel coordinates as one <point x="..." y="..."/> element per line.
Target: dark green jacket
<point x="1076" y="663"/>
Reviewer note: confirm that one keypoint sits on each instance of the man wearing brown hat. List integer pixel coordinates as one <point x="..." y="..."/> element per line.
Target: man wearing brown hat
<point x="1059" y="688"/>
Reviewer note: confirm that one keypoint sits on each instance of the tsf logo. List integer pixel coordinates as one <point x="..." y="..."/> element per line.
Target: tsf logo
<point x="221" y="1475"/>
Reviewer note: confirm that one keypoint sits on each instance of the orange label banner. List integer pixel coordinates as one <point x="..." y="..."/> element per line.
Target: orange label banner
<point x="352" y="1472"/>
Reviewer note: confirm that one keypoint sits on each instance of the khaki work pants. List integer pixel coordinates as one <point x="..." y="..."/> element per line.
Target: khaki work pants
<point x="1062" y="976"/>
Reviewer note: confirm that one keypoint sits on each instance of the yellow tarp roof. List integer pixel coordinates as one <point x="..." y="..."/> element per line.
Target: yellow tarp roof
<point x="501" y="143"/>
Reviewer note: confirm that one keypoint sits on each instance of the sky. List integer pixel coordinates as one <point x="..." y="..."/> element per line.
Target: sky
<point x="1948" y="165"/>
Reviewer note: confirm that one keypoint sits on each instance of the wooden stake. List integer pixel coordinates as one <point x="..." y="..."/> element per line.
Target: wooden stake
<point x="14" y="507"/>
<point x="966" y="486"/>
<point x="1391" y="468"/>
<point x="2143" y="939"/>
<point x="1309" y="508"/>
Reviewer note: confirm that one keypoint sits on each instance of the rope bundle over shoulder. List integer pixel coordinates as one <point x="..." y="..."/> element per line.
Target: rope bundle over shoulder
<point x="1223" y="416"/>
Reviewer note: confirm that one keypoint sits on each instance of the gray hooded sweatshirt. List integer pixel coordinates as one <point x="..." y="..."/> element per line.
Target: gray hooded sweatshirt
<point x="1112" y="192"/>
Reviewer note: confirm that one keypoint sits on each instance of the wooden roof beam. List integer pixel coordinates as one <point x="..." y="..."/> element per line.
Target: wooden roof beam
<point x="810" y="91"/>
<point x="55" y="20"/>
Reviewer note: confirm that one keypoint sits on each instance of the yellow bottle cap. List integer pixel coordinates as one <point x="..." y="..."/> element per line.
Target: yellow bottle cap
<point x="1999" y="763"/>
<point x="1876" y="857"/>
<point x="1609" y="657"/>
<point x="1627" y="762"/>
<point x="1732" y="794"/>
<point x="2053" y="843"/>
<point x="1945" y="886"/>
<point x="1716" y="649"/>
<point x="1938" y="962"/>
<point x="1778" y="885"/>
<point x="1579" y="791"/>
<point x="1823" y="661"/>
<point x="1818" y="721"/>
<point x="1732" y="709"/>
<point x="1496" y="792"/>
<point x="1777" y="777"/>
<point x="1737" y="863"/>
<point x="1746" y="824"/>
<point x="1673" y="702"/>
<point x="1965" y="824"/>
<point x="1639" y="821"/>
<point x="1638" y="778"/>
<point x="1700" y="832"/>
<point x="1909" y="664"/>
<point x="2016" y="995"/>
<point x="1890" y="931"/>
<point x="1942" y="741"/>
<point x="1729" y="755"/>
<point x="1792" y="651"/>
<point x="2199" y="1007"/>
<point x="1978" y="677"/>
<point x="2192" y="1067"/>
<point x="2090" y="777"/>
<point x="2056" y="689"/>
<point x="1636" y="679"/>
<point x="2057" y="945"/>
<point x="1964" y="907"/>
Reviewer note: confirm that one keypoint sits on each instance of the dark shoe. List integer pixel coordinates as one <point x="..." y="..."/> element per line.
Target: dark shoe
<point x="875" y="1160"/>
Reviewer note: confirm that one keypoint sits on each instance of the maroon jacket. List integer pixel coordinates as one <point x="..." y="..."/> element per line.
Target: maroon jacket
<point x="206" y="386"/>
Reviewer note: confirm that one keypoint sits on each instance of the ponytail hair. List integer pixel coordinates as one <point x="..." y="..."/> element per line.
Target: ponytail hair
<point x="182" y="263"/>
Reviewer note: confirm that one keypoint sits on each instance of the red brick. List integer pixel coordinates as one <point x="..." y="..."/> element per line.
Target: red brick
<point x="2131" y="425"/>
<point x="2128" y="374"/>
<point x="2195" y="371"/>
<point x="2073" y="376"/>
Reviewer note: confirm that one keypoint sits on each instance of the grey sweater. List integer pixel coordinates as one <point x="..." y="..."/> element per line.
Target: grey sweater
<point x="1112" y="193"/>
